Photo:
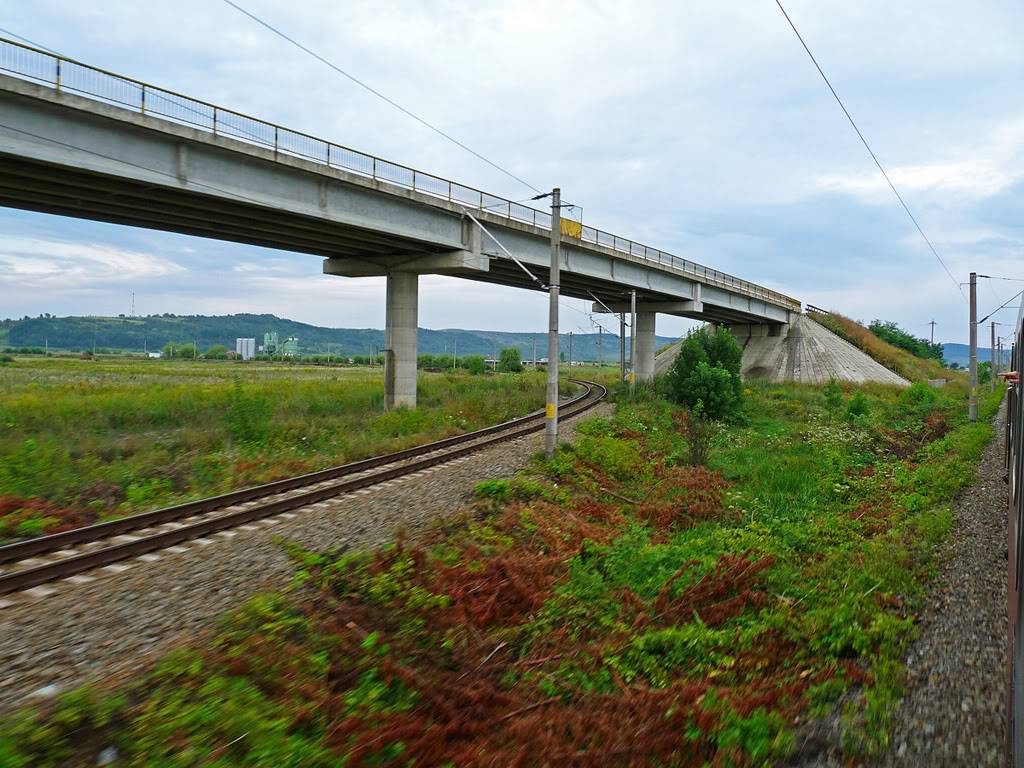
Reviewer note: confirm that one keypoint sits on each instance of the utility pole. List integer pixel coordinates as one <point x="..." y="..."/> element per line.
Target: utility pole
<point x="992" y="370"/>
<point x="535" y="353"/>
<point x="570" y="352"/>
<point x="328" y="353"/>
<point x="600" y="362"/>
<point x="622" y="347"/>
<point x="551" y="422"/>
<point x="972" y="407"/>
<point x="632" y="341"/>
<point x="932" y="324"/>
<point x="494" y="351"/>
<point x="455" y="355"/>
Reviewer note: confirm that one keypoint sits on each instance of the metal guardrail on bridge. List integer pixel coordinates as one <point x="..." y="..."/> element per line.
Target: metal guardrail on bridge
<point x="69" y="75"/>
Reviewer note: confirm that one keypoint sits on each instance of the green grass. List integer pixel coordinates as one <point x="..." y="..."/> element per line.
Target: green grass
<point x="86" y="440"/>
<point x="684" y="616"/>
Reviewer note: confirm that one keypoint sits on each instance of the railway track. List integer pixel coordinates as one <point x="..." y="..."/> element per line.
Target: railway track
<point x="29" y="564"/>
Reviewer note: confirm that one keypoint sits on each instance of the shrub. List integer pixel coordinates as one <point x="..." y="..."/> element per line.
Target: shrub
<point x="698" y="431"/>
<point x="510" y="361"/>
<point x="857" y="407"/>
<point x="217" y="352"/>
<point x="248" y="415"/>
<point x="833" y="396"/>
<point x="705" y="375"/>
<point x="475" y="364"/>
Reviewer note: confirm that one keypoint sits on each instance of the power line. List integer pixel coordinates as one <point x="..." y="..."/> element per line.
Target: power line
<point x="377" y="93"/>
<point x="868" y="148"/>
<point x="1001" y="306"/>
<point x="29" y="42"/>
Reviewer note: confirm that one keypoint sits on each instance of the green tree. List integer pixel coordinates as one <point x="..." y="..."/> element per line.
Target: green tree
<point x="475" y="364"/>
<point x="217" y="352"/>
<point x="177" y="349"/>
<point x="890" y="332"/>
<point x="510" y="360"/>
<point x="705" y="376"/>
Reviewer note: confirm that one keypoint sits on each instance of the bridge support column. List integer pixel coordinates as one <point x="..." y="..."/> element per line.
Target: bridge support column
<point x="645" y="343"/>
<point x="400" y="340"/>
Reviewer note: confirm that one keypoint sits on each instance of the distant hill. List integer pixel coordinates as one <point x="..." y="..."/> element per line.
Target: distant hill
<point x="960" y="353"/>
<point x="137" y="333"/>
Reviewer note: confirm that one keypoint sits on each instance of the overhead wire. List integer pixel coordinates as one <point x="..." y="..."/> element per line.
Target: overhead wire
<point x="379" y="94"/>
<point x="871" y="152"/>
<point x="29" y="42"/>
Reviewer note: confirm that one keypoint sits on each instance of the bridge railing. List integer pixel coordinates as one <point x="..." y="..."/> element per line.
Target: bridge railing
<point x="69" y="75"/>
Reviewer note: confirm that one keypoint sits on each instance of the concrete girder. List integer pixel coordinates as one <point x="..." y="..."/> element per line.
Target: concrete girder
<point x="450" y="263"/>
<point x="683" y="308"/>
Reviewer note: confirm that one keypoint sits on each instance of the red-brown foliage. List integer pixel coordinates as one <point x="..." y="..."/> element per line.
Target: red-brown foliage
<point x="474" y="723"/>
<point x="718" y="595"/>
<point x="683" y="497"/>
<point x="505" y="589"/>
<point x="15" y="509"/>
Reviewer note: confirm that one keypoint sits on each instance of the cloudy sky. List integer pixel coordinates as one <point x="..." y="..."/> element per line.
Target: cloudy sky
<point x="699" y="128"/>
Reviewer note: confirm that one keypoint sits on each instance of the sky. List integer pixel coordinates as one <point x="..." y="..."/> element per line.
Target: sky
<point x="699" y="128"/>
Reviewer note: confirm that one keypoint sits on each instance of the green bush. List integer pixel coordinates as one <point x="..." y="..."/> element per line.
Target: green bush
<point x="248" y="415"/>
<point x="857" y="407"/>
<point x="475" y="364"/>
<point x="510" y="361"/>
<point x="217" y="352"/>
<point x="705" y="375"/>
<point x="833" y="396"/>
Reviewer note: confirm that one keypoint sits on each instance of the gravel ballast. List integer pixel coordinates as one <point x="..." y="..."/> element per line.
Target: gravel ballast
<point x="954" y="709"/>
<point x="116" y="622"/>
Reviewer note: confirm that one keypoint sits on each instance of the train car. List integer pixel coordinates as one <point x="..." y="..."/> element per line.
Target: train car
<point x="1015" y="545"/>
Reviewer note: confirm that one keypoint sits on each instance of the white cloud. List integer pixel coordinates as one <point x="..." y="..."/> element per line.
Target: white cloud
<point x="37" y="263"/>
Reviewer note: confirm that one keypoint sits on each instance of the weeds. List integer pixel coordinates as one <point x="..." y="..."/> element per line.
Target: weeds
<point x="607" y="607"/>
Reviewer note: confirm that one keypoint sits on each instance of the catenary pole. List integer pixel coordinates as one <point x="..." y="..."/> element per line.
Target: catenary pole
<point x="551" y="421"/>
<point x="622" y="347"/>
<point x="972" y="407"/>
<point x="992" y="370"/>
<point x="632" y="341"/>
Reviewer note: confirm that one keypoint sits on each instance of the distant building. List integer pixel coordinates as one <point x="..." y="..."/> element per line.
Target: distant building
<point x="270" y="343"/>
<point x="245" y="348"/>
<point x="290" y="347"/>
<point x="154" y="355"/>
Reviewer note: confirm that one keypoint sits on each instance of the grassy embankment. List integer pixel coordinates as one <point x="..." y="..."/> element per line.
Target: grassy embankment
<point x="610" y="606"/>
<point x="910" y="367"/>
<point x="82" y="441"/>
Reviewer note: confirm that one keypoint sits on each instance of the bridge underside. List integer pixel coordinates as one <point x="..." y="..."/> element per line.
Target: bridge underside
<point x="67" y="155"/>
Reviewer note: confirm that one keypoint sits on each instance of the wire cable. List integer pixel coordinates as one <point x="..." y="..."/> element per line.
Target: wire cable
<point x="868" y="148"/>
<point x="1001" y="306"/>
<point x="28" y="42"/>
<point x="378" y="94"/>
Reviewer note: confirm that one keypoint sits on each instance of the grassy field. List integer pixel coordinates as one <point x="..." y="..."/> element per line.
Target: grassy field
<point x="610" y="606"/>
<point x="81" y="441"/>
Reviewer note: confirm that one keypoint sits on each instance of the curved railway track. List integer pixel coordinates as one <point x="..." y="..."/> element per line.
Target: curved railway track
<point x="35" y="562"/>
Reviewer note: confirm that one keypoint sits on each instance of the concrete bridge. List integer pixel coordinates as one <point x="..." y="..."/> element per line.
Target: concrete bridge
<point x="83" y="142"/>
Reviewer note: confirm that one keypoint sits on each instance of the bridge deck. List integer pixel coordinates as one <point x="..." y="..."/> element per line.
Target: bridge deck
<point x="84" y="142"/>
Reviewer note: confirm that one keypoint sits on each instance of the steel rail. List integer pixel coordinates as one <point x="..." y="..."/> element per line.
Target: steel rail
<point x="57" y="541"/>
<point x="74" y="564"/>
<point x="66" y="74"/>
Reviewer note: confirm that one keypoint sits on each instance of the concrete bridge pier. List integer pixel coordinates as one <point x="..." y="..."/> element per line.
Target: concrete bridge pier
<point x="645" y="346"/>
<point x="400" y="351"/>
